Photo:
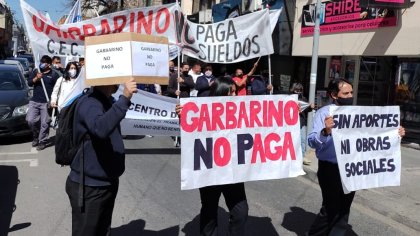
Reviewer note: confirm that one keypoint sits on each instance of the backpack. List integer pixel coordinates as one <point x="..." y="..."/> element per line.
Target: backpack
<point x="65" y="145"/>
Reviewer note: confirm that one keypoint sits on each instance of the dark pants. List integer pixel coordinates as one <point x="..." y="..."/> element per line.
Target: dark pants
<point x="235" y="198"/>
<point x="39" y="120"/>
<point x="334" y="214"/>
<point x="96" y="217"/>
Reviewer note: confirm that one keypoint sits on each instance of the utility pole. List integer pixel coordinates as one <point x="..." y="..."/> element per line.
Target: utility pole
<point x="314" y="66"/>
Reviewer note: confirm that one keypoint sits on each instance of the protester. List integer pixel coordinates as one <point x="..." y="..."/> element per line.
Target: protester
<point x="204" y="82"/>
<point x="195" y="72"/>
<point x="260" y="85"/>
<point x="234" y="194"/>
<point x="335" y="210"/>
<point x="185" y="81"/>
<point x="240" y="79"/>
<point x="297" y="88"/>
<point x="164" y="88"/>
<point x="96" y="125"/>
<point x="64" y="84"/>
<point x="81" y="61"/>
<point x="57" y="66"/>
<point x="38" y="117"/>
<point x="151" y="88"/>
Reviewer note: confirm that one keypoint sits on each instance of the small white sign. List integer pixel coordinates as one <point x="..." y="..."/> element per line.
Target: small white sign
<point x="150" y="59"/>
<point x="108" y="60"/>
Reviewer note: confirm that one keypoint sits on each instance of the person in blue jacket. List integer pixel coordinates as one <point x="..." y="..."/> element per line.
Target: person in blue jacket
<point x="204" y="82"/>
<point x="97" y="126"/>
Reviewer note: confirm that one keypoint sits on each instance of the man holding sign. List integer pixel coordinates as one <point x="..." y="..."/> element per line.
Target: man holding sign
<point x="335" y="210"/>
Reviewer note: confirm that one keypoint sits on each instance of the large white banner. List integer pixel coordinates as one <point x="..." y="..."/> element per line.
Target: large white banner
<point x="150" y="114"/>
<point x="228" y="140"/>
<point x="367" y="146"/>
<point x="232" y="40"/>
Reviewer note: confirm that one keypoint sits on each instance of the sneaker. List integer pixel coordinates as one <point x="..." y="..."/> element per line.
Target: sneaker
<point x="41" y="146"/>
<point x="35" y="142"/>
<point x="177" y="144"/>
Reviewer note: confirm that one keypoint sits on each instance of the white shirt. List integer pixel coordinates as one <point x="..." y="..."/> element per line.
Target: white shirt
<point x="193" y="92"/>
<point x="66" y="87"/>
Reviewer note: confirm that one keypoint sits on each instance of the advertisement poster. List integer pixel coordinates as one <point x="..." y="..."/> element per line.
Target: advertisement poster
<point x="346" y="16"/>
<point x="335" y="68"/>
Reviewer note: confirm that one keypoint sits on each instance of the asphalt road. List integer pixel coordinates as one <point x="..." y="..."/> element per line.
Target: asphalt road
<point x="150" y="202"/>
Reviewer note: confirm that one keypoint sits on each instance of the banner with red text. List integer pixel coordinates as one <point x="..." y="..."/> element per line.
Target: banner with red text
<point x="344" y="16"/>
<point x="228" y="140"/>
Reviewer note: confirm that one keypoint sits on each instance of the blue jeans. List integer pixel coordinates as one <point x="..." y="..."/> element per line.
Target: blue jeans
<point x="39" y="120"/>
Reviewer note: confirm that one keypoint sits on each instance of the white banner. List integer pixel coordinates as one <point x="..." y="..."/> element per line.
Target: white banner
<point x="232" y="40"/>
<point x="150" y="114"/>
<point x="236" y="139"/>
<point x="367" y="146"/>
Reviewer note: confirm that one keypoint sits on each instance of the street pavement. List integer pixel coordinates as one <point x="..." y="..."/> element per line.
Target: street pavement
<point x="150" y="202"/>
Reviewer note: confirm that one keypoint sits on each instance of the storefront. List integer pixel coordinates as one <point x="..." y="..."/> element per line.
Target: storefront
<point x="378" y="50"/>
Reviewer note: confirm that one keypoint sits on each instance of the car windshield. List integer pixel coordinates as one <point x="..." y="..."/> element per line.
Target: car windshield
<point x="10" y="80"/>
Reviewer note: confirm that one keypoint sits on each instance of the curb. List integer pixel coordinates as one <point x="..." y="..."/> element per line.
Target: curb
<point x="362" y="196"/>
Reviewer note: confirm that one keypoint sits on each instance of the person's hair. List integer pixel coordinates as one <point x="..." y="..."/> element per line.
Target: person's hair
<point x="81" y="59"/>
<point x="335" y="85"/>
<point x="66" y="75"/>
<point x="221" y="86"/>
<point x="184" y="64"/>
<point x="296" y="86"/>
<point x="56" y="57"/>
<point x="197" y="64"/>
<point x="46" y="59"/>
<point x="208" y="66"/>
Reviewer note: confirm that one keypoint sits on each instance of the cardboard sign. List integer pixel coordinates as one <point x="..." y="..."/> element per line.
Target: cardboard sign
<point x="229" y="140"/>
<point x="116" y="58"/>
<point x="367" y="146"/>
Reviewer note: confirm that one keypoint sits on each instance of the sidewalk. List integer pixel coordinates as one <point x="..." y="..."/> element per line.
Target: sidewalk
<point x="401" y="203"/>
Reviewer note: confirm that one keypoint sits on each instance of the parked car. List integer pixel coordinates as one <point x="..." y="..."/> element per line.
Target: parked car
<point x="23" y="61"/>
<point x="16" y="63"/>
<point x="30" y="59"/>
<point x="14" y="102"/>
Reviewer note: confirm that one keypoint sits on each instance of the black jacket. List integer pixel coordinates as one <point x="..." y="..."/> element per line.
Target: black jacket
<point x="202" y="85"/>
<point x="49" y="81"/>
<point x="184" y="87"/>
<point x="104" y="149"/>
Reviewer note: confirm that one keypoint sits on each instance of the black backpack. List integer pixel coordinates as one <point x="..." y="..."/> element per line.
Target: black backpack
<point x="65" y="145"/>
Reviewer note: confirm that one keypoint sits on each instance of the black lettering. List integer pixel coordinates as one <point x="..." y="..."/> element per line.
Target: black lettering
<point x="242" y="146"/>
<point x="205" y="154"/>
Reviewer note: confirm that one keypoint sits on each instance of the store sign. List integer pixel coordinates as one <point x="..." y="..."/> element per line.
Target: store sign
<point x="385" y="3"/>
<point x="345" y="16"/>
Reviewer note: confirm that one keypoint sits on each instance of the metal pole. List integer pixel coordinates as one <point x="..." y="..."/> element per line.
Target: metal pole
<point x="269" y="73"/>
<point x="314" y="66"/>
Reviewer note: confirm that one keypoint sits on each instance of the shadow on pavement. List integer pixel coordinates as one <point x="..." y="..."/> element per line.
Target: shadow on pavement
<point x="152" y="151"/>
<point x="9" y="180"/>
<point x="254" y="225"/>
<point x="299" y="221"/>
<point x="136" y="227"/>
<point x="15" y="140"/>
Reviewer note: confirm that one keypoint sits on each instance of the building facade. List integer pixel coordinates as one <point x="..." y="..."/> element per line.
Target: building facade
<point x="6" y="31"/>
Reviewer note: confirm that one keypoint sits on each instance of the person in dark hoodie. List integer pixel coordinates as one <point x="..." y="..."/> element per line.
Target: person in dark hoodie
<point x="204" y="82"/>
<point x="260" y="85"/>
<point x="97" y="123"/>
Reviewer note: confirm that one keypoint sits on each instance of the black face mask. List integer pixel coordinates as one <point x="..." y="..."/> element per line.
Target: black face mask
<point x="185" y="73"/>
<point x="344" y="101"/>
<point x="171" y="69"/>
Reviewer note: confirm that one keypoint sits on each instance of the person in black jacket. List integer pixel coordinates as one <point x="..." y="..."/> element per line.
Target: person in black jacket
<point x="204" y="82"/>
<point x="186" y="83"/>
<point x="97" y="123"/>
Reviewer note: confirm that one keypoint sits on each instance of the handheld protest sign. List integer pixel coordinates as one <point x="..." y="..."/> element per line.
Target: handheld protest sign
<point x="367" y="146"/>
<point x="116" y="58"/>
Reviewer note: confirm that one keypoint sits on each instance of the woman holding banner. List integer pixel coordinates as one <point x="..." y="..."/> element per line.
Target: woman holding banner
<point x="335" y="210"/>
<point x="64" y="84"/>
<point x="234" y="194"/>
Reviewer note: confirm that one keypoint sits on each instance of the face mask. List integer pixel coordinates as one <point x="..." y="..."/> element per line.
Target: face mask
<point x="55" y="66"/>
<point x="208" y="73"/>
<point x="43" y="67"/>
<point x="72" y="73"/>
<point x="171" y="69"/>
<point x="185" y="73"/>
<point x="345" y="101"/>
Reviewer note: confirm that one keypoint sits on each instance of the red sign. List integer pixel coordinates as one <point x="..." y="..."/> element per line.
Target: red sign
<point x="345" y="16"/>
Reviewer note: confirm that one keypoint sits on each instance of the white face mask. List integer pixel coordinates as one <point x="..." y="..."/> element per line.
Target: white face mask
<point x="208" y="73"/>
<point x="72" y="73"/>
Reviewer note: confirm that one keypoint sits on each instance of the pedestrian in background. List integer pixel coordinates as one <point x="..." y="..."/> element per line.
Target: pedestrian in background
<point x="38" y="117"/>
<point x="97" y="127"/>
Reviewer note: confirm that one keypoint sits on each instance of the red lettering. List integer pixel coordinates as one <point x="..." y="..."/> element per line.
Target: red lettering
<point x="243" y="116"/>
<point x="288" y="146"/>
<point x="204" y="118"/>
<point x="132" y="17"/>
<point x="166" y="19"/>
<point x="52" y="28"/>
<point x="105" y="28"/>
<point x="75" y="30"/>
<point x="89" y="30"/>
<point x="231" y="122"/>
<point x="291" y="113"/>
<point x="220" y="160"/>
<point x="349" y="6"/>
<point x="39" y="28"/>
<point x="274" y="156"/>
<point x="190" y="106"/>
<point x="217" y="112"/>
<point x="254" y="110"/>
<point x="275" y="113"/>
<point x="258" y="148"/>
<point x="146" y="25"/>
<point x="118" y="28"/>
